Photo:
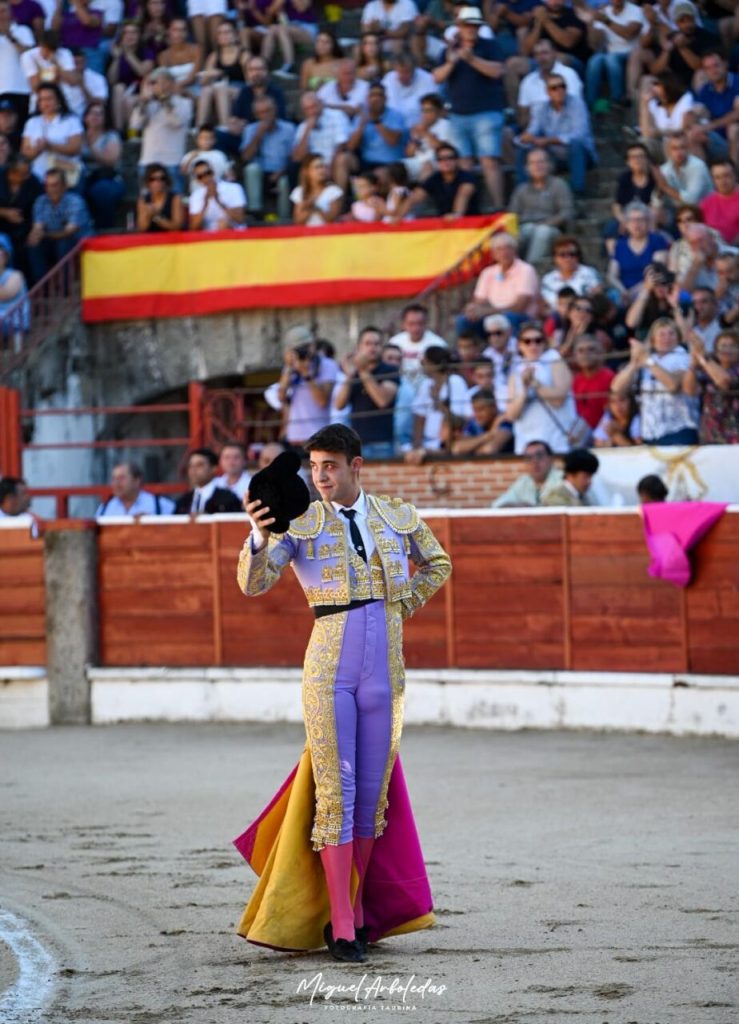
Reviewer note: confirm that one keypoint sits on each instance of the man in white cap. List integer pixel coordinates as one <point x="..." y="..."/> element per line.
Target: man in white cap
<point x="305" y="385"/>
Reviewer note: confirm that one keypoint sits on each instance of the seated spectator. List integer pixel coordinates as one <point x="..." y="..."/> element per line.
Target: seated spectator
<point x="561" y="126"/>
<point x="12" y="288"/>
<point x="580" y="466"/>
<point x="265" y="151"/>
<point x="441" y="394"/>
<point x="651" y="489"/>
<point x="205" y="16"/>
<point x="533" y="88"/>
<point x="721" y="207"/>
<point x="222" y="76"/>
<point x="702" y="323"/>
<point x="578" y="320"/>
<point x="613" y="29"/>
<point x="321" y="67"/>
<point x="305" y="386"/>
<point x="316" y="200"/>
<point x="656" y="298"/>
<point x="716" y="135"/>
<point x="466" y="353"/>
<point x="370" y="389"/>
<point x="182" y="59"/>
<point x="53" y="138"/>
<point x="347" y="93"/>
<point x="129" y="498"/>
<point x="704" y="249"/>
<point x="427" y="136"/>
<point x="50" y="63"/>
<point x="369" y="206"/>
<point x="215" y="205"/>
<point x="637" y="182"/>
<point x="405" y="87"/>
<point x="60" y="220"/>
<point x="392" y="20"/>
<point x="379" y="134"/>
<point x="693" y="40"/>
<point x="620" y="424"/>
<point x="681" y="254"/>
<point x="715" y="379"/>
<point x="257" y="84"/>
<point x="560" y="24"/>
<point x="9" y="121"/>
<point x="397" y="193"/>
<point x="205" y="497"/>
<point x="14" y="497"/>
<point x="326" y="133"/>
<point x="30" y="14"/>
<point x="591" y="380"/>
<point x="205" y="149"/>
<point x="154" y="25"/>
<point x="128" y="68"/>
<point x="510" y="286"/>
<point x="452" y="191"/>
<point x="486" y="432"/>
<point x="655" y="374"/>
<point x="269" y="452"/>
<point x="371" y="62"/>
<point x="88" y="86"/>
<point x="540" y="401"/>
<point x="102" y="184"/>
<point x="569" y="272"/>
<point x="502" y="351"/>
<point x="481" y="376"/>
<point x="234" y="476"/>
<point x="159" y="208"/>
<point x="541" y="476"/>
<point x="665" y="108"/>
<point x="80" y="26"/>
<point x="402" y="410"/>
<point x="544" y="206"/>
<point x="726" y="289"/>
<point x="163" y="119"/>
<point x="632" y="254"/>
<point x="683" y="179"/>
<point x="19" y="190"/>
<point x="413" y="340"/>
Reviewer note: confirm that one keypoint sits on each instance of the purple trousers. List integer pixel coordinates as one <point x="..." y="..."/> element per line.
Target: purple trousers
<point x="362" y="708"/>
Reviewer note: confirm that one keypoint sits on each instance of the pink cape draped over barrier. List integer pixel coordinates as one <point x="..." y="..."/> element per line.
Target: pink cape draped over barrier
<point x="671" y="529"/>
<point x="289" y="906"/>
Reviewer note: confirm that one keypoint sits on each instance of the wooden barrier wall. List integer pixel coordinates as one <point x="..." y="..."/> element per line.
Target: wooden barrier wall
<point x="528" y="591"/>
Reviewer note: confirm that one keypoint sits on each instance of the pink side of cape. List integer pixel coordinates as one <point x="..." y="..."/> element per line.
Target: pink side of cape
<point x="671" y="529"/>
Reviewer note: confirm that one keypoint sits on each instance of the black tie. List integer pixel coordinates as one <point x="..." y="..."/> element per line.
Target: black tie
<point x="354" y="533"/>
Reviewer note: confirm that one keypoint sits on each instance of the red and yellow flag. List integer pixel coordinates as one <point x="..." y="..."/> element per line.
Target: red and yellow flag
<point x="127" y="277"/>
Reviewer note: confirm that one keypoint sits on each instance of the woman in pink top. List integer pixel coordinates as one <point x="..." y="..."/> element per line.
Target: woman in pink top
<point x="721" y="208"/>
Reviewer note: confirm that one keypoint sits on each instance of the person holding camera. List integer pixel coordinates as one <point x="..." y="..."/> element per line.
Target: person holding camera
<point x="163" y="118"/>
<point x="657" y="297"/>
<point x="370" y="389"/>
<point x="305" y="386"/>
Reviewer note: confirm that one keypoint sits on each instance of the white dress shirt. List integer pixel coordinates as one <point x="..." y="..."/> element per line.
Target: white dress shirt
<point x="239" y="488"/>
<point x="360" y="506"/>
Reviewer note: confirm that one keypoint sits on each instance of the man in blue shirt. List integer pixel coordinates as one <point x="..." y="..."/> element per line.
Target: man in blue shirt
<point x="718" y="137"/>
<point x="60" y="220"/>
<point x="266" y="146"/>
<point x="472" y="71"/>
<point x="560" y="126"/>
<point x="379" y="133"/>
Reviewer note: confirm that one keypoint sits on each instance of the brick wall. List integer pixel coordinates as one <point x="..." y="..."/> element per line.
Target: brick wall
<point x="443" y="483"/>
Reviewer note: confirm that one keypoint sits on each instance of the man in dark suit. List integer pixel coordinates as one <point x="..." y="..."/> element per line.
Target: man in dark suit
<point x="205" y="497"/>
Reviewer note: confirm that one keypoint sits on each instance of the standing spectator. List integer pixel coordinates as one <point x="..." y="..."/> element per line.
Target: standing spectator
<point x="379" y="134"/>
<point x="569" y="272"/>
<point x="49" y="63"/>
<point x="510" y="286"/>
<point x="15" y="40"/>
<point x="620" y="424"/>
<point x="316" y="200"/>
<point x="441" y="395"/>
<point x="305" y="386"/>
<point x="370" y="389"/>
<point x="452" y="191"/>
<point x="683" y="179"/>
<point x="324" y="131"/>
<point x="405" y="87"/>
<point x="53" y="138"/>
<point x="12" y="287"/>
<point x="591" y="381"/>
<point x="655" y="372"/>
<point x="392" y="20"/>
<point x="560" y="126"/>
<point x="163" y="118"/>
<point x="102" y="184"/>
<point x="540" y="477"/>
<point x="205" y="497"/>
<point x="501" y="350"/>
<point x="533" y="88"/>
<point x="128" y="68"/>
<point x="19" y="190"/>
<point x="580" y="466"/>
<point x="129" y="498"/>
<point x="347" y="93"/>
<point x="544" y="206"/>
<point x="614" y="28"/>
<point x="233" y="464"/>
<point x="265" y="151"/>
<point x="403" y="408"/>
<point x="60" y="221"/>
<point x="80" y="27"/>
<point x="413" y="341"/>
<point x="721" y="208"/>
<point x="717" y="137"/>
<point x="540" y="402"/>
<point x="182" y="59"/>
<point x="159" y="207"/>
<point x="427" y="136"/>
<point x="716" y="380"/>
<point x="632" y="254"/>
<point x="472" y="71"/>
<point x="222" y="76"/>
<point x="486" y="432"/>
<point x="215" y="205"/>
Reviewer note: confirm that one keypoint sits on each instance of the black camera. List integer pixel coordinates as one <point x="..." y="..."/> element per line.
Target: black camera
<point x="302" y="351"/>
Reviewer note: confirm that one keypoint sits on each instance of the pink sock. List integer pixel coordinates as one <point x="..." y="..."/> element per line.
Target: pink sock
<point x="362" y="853"/>
<point x="337" y="866"/>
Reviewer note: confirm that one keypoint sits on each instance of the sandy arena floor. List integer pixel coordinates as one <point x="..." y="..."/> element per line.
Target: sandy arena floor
<point x="577" y="877"/>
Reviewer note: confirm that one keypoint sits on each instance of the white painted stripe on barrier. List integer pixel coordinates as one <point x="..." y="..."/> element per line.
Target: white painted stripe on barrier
<point x="26" y="999"/>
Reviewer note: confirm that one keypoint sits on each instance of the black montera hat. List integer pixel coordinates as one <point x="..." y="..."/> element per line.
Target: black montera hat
<point x="280" y="487"/>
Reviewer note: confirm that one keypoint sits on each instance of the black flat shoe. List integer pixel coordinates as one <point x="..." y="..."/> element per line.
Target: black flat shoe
<point x="349" y="952"/>
<point x="362" y="937"/>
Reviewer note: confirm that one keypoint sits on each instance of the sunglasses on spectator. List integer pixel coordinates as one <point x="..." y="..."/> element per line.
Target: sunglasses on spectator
<point x="203" y="175"/>
<point x="533" y="339"/>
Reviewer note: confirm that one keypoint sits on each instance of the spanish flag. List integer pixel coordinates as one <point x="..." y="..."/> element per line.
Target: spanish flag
<point x="130" y="277"/>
